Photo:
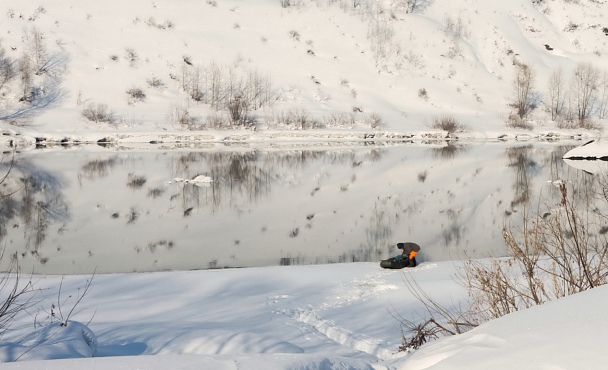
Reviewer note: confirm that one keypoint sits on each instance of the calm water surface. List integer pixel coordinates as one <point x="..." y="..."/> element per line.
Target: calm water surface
<point x="87" y="208"/>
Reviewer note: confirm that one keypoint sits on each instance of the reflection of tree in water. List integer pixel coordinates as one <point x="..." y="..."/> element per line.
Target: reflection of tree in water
<point x="34" y="197"/>
<point x="384" y="217"/>
<point x="586" y="184"/>
<point x="519" y="158"/>
<point x="250" y="174"/>
<point x="455" y="232"/>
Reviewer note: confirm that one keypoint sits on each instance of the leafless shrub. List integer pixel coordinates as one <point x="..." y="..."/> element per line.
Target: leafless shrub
<point x="217" y="120"/>
<point x="131" y="56"/>
<point x="555" y="254"/>
<point x="297" y="118"/>
<point x="180" y="115"/>
<point x="449" y="123"/>
<point x="423" y="94"/>
<point x="294" y="35"/>
<point x="455" y="29"/>
<point x="151" y="22"/>
<point x="515" y="121"/>
<point x="337" y="120"/>
<point x="136" y="94"/>
<point x="98" y="113"/>
<point x="155" y="83"/>
<point x="439" y="319"/>
<point x="238" y="108"/>
<point x="17" y="296"/>
<point x="374" y="120"/>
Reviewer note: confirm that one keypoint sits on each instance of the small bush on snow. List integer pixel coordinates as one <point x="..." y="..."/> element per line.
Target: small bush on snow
<point x="98" y="113"/>
<point x="155" y="82"/>
<point x="136" y="94"/>
<point x="448" y="123"/>
<point x="374" y="120"/>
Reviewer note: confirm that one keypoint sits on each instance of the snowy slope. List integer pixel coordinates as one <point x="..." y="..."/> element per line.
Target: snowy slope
<point x="324" y="60"/>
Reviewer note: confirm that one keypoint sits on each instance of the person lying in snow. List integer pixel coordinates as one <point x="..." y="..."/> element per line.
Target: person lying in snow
<point x="406" y="259"/>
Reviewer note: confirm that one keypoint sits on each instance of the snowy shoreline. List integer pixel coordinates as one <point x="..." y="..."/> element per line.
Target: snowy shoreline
<point x="168" y="140"/>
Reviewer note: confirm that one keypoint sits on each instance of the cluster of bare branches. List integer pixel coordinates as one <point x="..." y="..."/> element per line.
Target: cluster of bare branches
<point x="576" y="101"/>
<point x="553" y="254"/>
<point x="438" y="319"/>
<point x="558" y="253"/>
<point x="226" y="90"/>
<point x="449" y="123"/>
<point x="32" y="80"/>
<point x="571" y="103"/>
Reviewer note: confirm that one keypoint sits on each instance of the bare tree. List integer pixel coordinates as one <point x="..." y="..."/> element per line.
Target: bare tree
<point x="196" y="79"/>
<point x="7" y="69"/>
<point x="524" y="89"/>
<point x="603" y="97"/>
<point x="556" y="93"/>
<point x="25" y="71"/>
<point x="584" y="84"/>
<point x="36" y="49"/>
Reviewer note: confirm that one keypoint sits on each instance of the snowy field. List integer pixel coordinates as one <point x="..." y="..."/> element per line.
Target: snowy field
<point x="194" y="72"/>
<point x="300" y="317"/>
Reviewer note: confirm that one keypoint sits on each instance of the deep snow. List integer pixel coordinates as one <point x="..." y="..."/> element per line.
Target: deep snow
<point x="299" y="317"/>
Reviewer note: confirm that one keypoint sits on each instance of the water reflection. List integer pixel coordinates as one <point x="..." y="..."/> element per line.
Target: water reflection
<point x="80" y="210"/>
<point x="31" y="200"/>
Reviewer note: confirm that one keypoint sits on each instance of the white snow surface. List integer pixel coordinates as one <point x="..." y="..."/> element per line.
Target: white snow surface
<point x="337" y="316"/>
<point x="299" y="317"/>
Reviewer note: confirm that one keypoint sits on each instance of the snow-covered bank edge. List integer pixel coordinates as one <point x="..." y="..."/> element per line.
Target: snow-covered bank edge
<point x="167" y="140"/>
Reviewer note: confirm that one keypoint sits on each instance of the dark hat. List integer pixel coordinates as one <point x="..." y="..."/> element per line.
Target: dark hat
<point x="400" y="245"/>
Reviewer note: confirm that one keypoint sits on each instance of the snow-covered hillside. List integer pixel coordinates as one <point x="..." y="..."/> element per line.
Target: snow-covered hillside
<point x="150" y="66"/>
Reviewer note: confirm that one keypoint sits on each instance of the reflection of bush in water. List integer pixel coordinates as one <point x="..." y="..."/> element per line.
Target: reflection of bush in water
<point x="449" y="151"/>
<point x="98" y="168"/>
<point x="383" y="219"/>
<point x="135" y="182"/>
<point x="156" y="192"/>
<point x="132" y="216"/>
<point x="453" y="234"/>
